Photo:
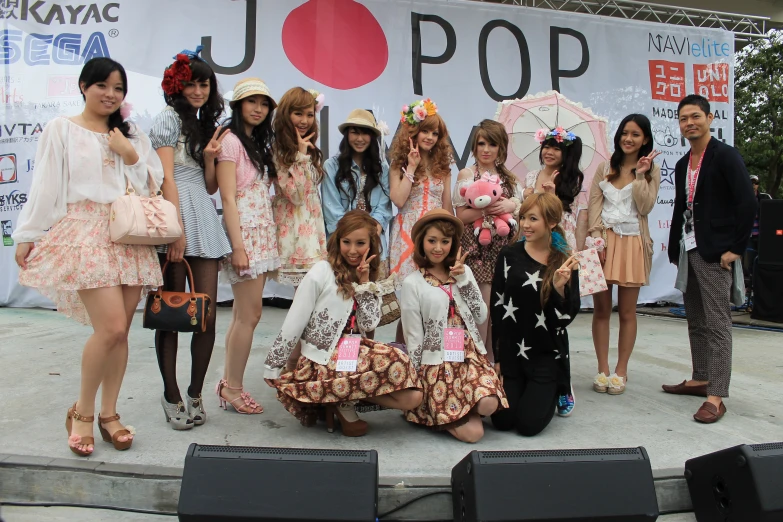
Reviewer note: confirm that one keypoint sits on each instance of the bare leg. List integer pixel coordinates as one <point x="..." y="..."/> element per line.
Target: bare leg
<point x="472" y="431"/>
<point x="106" y="309"/>
<point x="485" y="328"/>
<point x="116" y="364"/>
<point x="487" y="405"/>
<point x="247" y="313"/>
<point x="602" y="314"/>
<point x="403" y="400"/>
<point x="627" y="298"/>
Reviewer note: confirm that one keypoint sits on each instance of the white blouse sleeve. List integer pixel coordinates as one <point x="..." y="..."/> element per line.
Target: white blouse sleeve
<point x="456" y="198"/>
<point x="47" y="202"/>
<point x="148" y="163"/>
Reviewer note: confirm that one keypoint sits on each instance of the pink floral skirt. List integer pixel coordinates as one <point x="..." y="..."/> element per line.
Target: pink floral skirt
<point x="77" y="254"/>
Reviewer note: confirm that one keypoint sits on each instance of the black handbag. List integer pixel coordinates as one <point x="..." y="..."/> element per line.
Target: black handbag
<point x="177" y="311"/>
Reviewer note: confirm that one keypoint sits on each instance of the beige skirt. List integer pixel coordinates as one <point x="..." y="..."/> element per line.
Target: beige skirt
<point x="624" y="264"/>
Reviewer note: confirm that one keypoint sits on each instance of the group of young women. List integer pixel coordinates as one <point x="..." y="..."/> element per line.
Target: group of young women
<point x="483" y="327"/>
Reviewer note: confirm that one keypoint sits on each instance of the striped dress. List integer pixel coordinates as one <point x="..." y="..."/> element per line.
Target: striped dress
<point x="204" y="236"/>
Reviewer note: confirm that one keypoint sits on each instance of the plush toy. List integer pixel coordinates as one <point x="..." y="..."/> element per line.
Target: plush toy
<point x="479" y="195"/>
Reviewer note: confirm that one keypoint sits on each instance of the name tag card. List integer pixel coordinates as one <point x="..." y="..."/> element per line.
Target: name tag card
<point x="454" y="345"/>
<point x="690" y="240"/>
<point x="348" y="353"/>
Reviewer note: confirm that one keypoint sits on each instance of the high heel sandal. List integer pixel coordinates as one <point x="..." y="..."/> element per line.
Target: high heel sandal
<point x="616" y="384"/>
<point x="114" y="438"/>
<point x="176" y="414"/>
<point x="249" y="406"/>
<point x="350" y="423"/>
<point x="78" y="440"/>
<point x="196" y="410"/>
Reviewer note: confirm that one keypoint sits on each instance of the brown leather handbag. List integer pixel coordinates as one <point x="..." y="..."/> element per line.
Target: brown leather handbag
<point x="177" y="311"/>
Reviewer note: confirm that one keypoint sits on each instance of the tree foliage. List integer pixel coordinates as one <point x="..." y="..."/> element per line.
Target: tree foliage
<point x="758" y="110"/>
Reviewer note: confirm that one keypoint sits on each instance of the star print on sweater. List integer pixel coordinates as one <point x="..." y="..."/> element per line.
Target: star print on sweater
<point x="510" y="309"/>
<point x="523" y="350"/>
<point x="541" y="320"/>
<point x="533" y="279"/>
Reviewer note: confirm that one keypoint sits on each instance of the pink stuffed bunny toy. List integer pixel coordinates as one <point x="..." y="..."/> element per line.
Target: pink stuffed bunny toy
<point x="479" y="195"/>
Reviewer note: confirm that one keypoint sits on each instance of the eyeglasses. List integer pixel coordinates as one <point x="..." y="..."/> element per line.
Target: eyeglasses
<point x="754" y="182"/>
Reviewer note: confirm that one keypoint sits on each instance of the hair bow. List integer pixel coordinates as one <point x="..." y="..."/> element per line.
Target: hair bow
<point x="191" y="54"/>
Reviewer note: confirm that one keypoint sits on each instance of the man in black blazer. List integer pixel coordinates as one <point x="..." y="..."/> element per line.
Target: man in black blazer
<point x="712" y="219"/>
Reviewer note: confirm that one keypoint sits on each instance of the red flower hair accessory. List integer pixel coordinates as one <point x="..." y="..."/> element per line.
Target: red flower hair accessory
<point x="176" y="75"/>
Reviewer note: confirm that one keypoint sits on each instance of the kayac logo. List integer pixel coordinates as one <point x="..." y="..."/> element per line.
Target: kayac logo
<point x="48" y="13"/>
<point x="44" y="49"/>
<point x="7" y="226"/>
<point x="12" y="201"/>
<point x="8" y="168"/>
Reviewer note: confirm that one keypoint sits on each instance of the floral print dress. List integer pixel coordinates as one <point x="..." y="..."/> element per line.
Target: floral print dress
<point x="301" y="233"/>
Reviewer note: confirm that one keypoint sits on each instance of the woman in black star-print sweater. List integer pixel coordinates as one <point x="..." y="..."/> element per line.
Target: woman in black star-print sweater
<point x="535" y="296"/>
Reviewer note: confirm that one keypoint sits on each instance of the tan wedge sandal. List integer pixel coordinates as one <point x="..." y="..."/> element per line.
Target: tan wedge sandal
<point x="114" y="438"/>
<point x="74" y="441"/>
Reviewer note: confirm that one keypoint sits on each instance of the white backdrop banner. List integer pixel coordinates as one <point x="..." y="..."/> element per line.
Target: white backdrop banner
<point x="374" y="54"/>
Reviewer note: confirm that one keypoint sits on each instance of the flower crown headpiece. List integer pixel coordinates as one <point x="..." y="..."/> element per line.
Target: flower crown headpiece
<point x="416" y="112"/>
<point x="559" y="134"/>
<point x="178" y="73"/>
<point x="319" y="99"/>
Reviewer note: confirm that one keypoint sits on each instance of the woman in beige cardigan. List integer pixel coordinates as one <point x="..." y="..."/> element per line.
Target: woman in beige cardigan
<point x="623" y="193"/>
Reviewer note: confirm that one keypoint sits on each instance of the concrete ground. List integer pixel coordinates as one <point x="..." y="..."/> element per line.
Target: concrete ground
<point x="39" y="380"/>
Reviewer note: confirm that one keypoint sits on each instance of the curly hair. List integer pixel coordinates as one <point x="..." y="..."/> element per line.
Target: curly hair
<point x="198" y="125"/>
<point x="286" y="136"/>
<point x="446" y="228"/>
<point x="495" y="133"/>
<point x="344" y="274"/>
<point x="441" y="155"/>
<point x="551" y="209"/>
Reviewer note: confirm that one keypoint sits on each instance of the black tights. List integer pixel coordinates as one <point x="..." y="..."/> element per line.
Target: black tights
<point x="205" y="276"/>
<point x="532" y="398"/>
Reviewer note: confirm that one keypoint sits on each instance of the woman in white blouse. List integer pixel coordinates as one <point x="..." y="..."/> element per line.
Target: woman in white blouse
<point x="337" y="302"/>
<point x="441" y="310"/>
<point x="82" y="165"/>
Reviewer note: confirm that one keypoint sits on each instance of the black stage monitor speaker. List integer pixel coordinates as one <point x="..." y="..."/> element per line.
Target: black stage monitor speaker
<point x="767" y="292"/>
<point x="771" y="232"/>
<point x="232" y="483"/>
<point x="580" y="485"/>
<point x="739" y="484"/>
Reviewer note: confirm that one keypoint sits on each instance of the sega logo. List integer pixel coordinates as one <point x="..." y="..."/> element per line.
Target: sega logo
<point x="43" y="49"/>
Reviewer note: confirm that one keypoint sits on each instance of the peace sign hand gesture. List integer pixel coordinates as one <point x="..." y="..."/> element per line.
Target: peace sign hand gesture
<point x="459" y="264"/>
<point x="215" y="145"/>
<point x="645" y="162"/>
<point x="363" y="270"/>
<point x="304" y="143"/>
<point x="549" y="186"/>
<point x="414" y="158"/>
<point x="563" y="274"/>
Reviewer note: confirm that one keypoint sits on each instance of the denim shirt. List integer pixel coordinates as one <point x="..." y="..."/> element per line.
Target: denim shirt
<point x="336" y="204"/>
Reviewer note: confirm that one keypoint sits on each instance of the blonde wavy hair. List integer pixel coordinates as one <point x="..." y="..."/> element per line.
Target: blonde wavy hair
<point x="343" y="272"/>
<point x="441" y="155"/>
<point x="286" y="136"/>
<point x="495" y="133"/>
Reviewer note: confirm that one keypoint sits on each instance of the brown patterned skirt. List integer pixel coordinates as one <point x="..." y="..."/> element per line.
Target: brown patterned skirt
<point x="380" y="370"/>
<point x="451" y="390"/>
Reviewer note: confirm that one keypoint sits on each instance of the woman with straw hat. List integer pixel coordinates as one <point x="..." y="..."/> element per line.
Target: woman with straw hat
<point x="358" y="177"/>
<point x="244" y="171"/>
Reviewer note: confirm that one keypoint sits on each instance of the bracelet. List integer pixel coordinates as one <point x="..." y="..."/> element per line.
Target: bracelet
<point x="408" y="175"/>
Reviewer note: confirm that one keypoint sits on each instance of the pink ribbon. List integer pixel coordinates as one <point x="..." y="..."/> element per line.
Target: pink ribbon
<point x="492" y="178"/>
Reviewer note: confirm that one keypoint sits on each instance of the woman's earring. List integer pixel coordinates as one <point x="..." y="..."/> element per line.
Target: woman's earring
<point x="497" y="162"/>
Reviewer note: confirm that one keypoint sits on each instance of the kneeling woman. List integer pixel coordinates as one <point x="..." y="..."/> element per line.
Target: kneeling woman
<point x="441" y="308"/>
<point x="336" y="300"/>
<point x="535" y="296"/>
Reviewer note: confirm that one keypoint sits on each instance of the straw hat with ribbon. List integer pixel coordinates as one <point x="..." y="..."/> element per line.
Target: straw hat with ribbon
<point x="250" y="87"/>
<point x="362" y="119"/>
<point x="435" y="215"/>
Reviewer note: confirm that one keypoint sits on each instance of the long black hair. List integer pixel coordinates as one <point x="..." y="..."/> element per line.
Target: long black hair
<point x="568" y="183"/>
<point x="616" y="160"/>
<point x="98" y="70"/>
<point x="259" y="144"/>
<point x="198" y="125"/>
<point x="371" y="165"/>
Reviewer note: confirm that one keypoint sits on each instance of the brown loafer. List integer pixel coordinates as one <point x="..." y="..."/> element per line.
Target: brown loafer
<point x="709" y="413"/>
<point x="683" y="389"/>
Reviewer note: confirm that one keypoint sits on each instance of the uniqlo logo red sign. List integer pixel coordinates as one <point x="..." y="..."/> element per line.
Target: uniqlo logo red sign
<point x="667" y="80"/>
<point x="712" y="81"/>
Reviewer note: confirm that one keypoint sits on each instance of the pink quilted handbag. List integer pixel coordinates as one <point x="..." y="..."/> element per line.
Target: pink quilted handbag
<point x="142" y="220"/>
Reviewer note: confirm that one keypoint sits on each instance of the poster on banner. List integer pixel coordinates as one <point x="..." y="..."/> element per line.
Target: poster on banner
<point x="465" y="55"/>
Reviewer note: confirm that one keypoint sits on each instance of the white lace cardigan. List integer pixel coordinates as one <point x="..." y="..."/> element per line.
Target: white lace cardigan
<point x="319" y="314"/>
<point x="425" y="311"/>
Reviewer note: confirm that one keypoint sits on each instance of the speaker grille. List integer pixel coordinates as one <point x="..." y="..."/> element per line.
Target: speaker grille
<point x="767" y="447"/>
<point x="248" y="452"/>
<point x="510" y="457"/>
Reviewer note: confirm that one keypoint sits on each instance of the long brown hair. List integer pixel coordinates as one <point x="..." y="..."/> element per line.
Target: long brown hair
<point x="344" y="274"/>
<point x="551" y="210"/>
<point x="441" y="157"/>
<point x="495" y="133"/>
<point x="286" y="142"/>
<point x="447" y="229"/>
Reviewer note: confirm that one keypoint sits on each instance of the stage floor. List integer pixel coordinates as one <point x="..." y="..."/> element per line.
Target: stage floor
<point x="39" y="379"/>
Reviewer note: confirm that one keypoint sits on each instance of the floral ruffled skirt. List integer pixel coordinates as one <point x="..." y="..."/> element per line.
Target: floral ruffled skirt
<point x="77" y="254"/>
<point x="380" y="370"/>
